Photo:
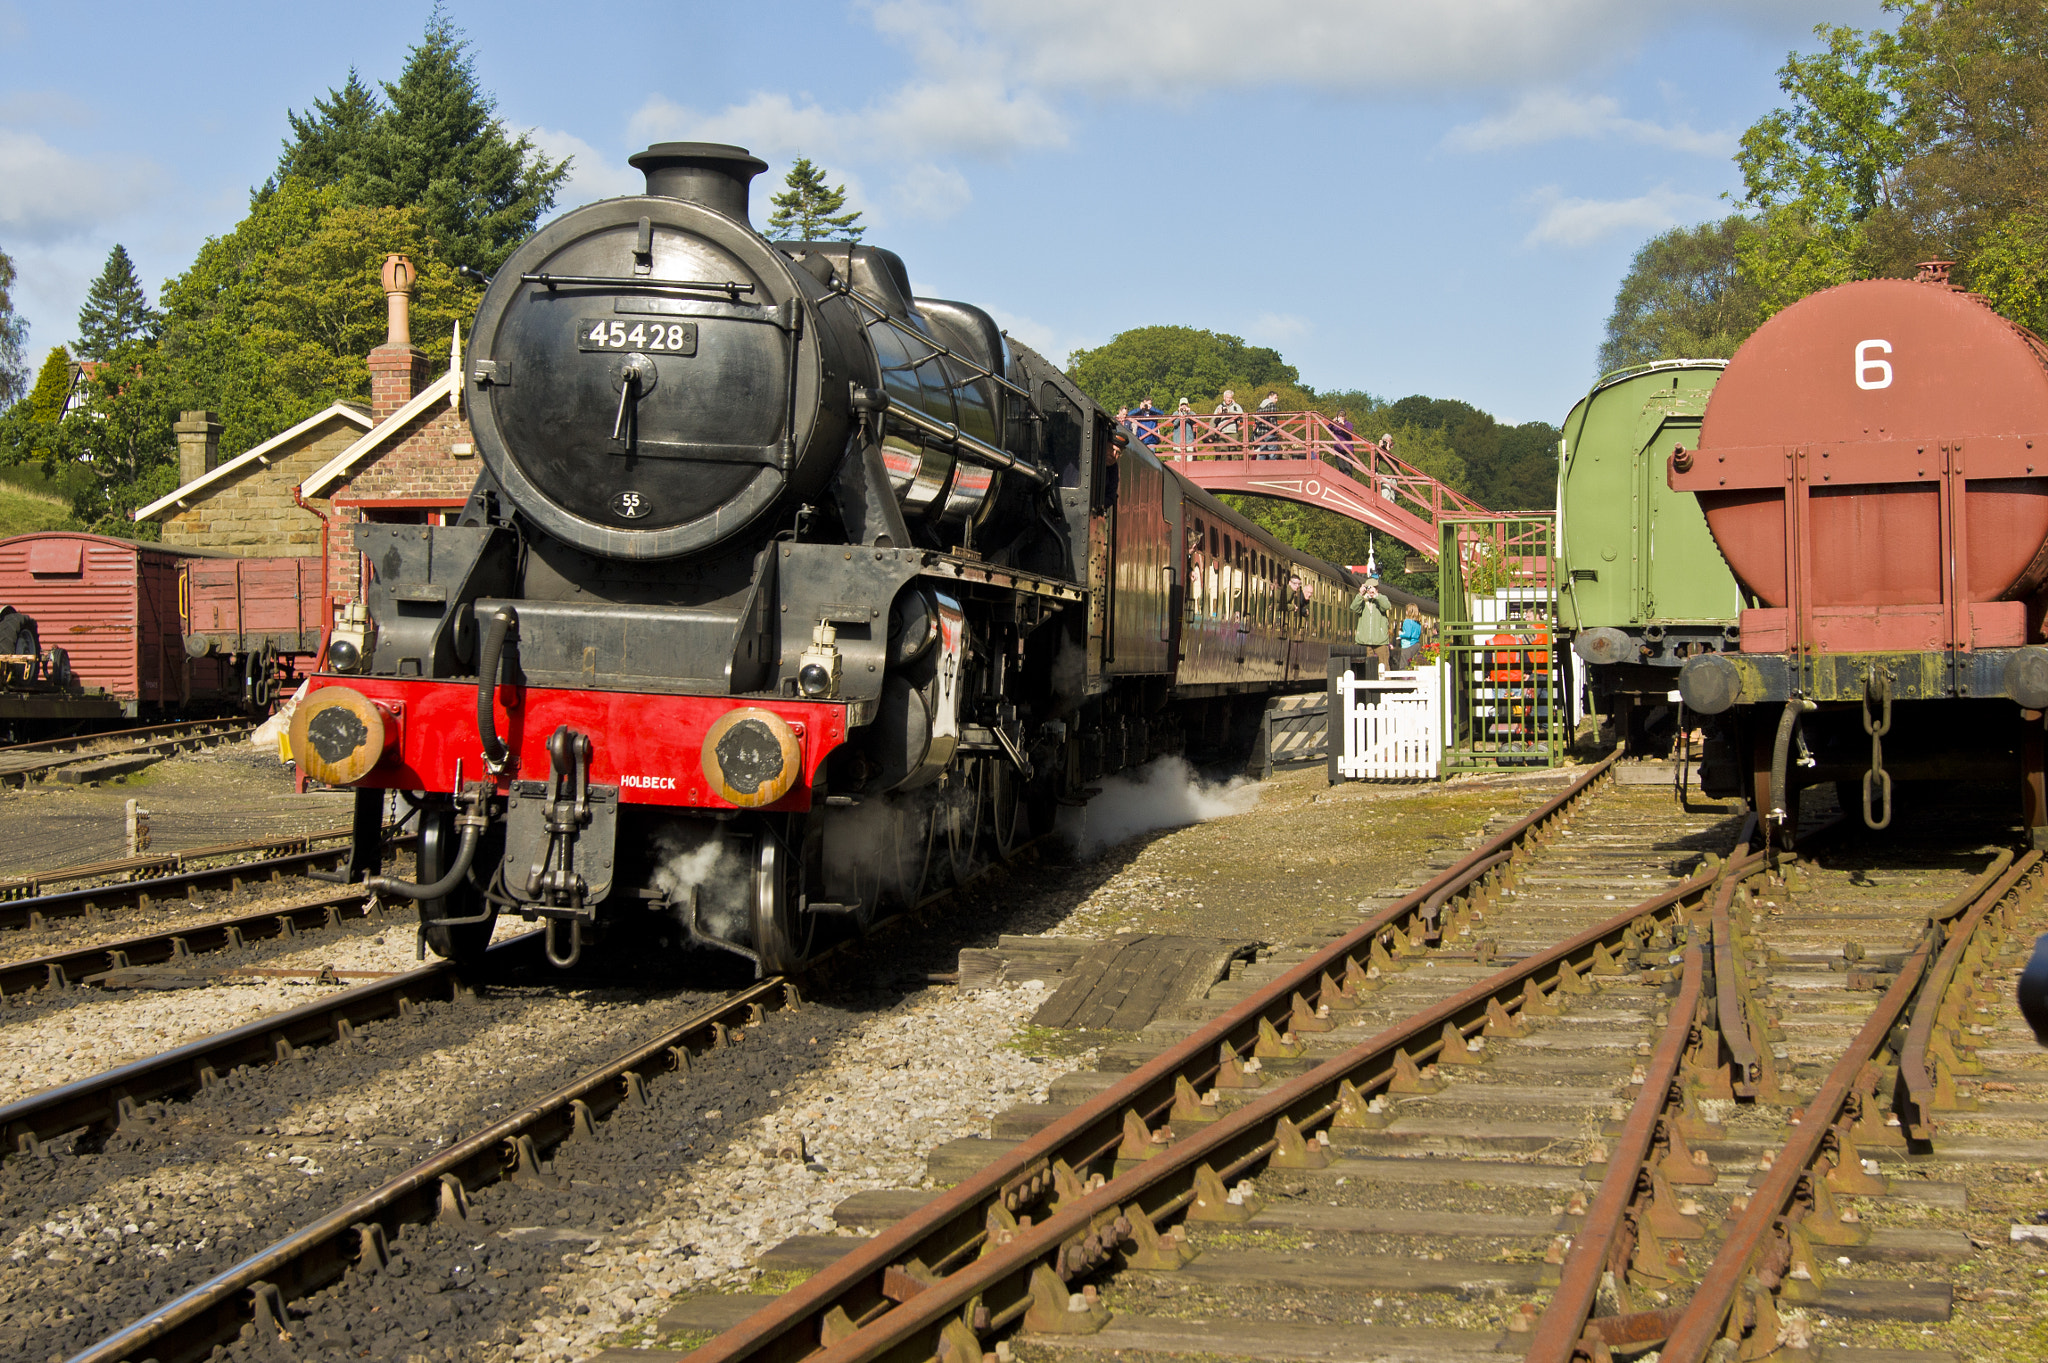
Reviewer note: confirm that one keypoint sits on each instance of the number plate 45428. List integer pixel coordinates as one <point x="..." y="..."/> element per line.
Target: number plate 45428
<point x="612" y="333"/>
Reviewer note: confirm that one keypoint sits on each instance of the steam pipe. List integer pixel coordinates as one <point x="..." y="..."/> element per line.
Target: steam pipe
<point x="495" y="751"/>
<point x="465" y="853"/>
<point x="1781" y="753"/>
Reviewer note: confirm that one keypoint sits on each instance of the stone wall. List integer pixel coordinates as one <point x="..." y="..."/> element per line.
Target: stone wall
<point x="251" y="511"/>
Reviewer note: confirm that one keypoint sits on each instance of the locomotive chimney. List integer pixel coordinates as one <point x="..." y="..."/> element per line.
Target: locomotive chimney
<point x="708" y="173"/>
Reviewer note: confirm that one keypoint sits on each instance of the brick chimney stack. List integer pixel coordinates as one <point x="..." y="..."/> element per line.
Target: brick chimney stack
<point x="198" y="445"/>
<point x="397" y="368"/>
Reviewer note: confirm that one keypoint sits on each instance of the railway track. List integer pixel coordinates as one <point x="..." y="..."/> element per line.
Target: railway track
<point x="1244" y="1179"/>
<point x="21" y="763"/>
<point x="26" y="904"/>
<point x="104" y="1106"/>
<point x="360" y="1232"/>
<point x="1271" y="1152"/>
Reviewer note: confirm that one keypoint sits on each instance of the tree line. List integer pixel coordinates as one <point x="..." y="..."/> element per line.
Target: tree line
<point x="274" y="319"/>
<point x="1893" y="147"/>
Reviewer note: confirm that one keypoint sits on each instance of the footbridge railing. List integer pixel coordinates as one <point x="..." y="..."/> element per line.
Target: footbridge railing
<point x="1310" y="458"/>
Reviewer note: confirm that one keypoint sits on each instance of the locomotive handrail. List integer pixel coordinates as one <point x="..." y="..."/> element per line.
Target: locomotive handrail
<point x="731" y="287"/>
<point x="967" y="444"/>
<point x="854" y="295"/>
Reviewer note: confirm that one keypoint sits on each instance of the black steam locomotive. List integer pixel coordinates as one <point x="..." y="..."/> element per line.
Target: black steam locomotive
<point x="784" y="596"/>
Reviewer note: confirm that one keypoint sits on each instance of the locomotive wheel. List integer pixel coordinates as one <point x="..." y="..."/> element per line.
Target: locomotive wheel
<point x="779" y="940"/>
<point x="1005" y="807"/>
<point x="964" y="811"/>
<point x="909" y="848"/>
<point x="463" y="943"/>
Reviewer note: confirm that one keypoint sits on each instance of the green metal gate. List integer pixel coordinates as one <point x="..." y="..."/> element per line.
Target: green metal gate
<point x="1505" y="703"/>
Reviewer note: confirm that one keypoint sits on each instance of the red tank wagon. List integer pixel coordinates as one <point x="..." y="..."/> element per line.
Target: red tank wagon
<point x="1874" y="467"/>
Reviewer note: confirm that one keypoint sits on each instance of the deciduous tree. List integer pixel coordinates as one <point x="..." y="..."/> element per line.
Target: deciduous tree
<point x="276" y="318"/>
<point x="811" y="210"/>
<point x="13" y="338"/>
<point x="1166" y="363"/>
<point x="1685" y="296"/>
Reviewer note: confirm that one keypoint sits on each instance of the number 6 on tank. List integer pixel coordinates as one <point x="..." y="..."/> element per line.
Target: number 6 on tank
<point x="1872" y="372"/>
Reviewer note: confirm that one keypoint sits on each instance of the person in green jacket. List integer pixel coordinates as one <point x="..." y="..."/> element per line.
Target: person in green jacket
<point x="1374" y="615"/>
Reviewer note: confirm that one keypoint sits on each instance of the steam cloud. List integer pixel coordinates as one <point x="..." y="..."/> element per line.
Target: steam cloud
<point x="1162" y="794"/>
<point x="717" y="872"/>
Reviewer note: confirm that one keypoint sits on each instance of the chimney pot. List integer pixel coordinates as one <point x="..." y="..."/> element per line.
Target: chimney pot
<point x="398" y="276"/>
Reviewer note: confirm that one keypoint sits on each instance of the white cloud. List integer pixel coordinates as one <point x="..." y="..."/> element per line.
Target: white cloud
<point x="1554" y="115"/>
<point x="922" y="119"/>
<point x="1278" y="328"/>
<point x="930" y="193"/>
<point x="1177" y="49"/>
<point x="52" y="195"/>
<point x="592" y="173"/>
<point x="1566" y="221"/>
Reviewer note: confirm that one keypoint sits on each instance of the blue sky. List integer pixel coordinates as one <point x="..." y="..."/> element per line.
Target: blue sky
<point x="1434" y="196"/>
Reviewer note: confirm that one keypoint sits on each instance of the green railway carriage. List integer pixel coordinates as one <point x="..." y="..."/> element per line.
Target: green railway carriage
<point x="1643" y="587"/>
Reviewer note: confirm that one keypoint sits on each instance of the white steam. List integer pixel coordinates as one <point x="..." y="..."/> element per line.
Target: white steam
<point x="1165" y="793"/>
<point x="711" y="867"/>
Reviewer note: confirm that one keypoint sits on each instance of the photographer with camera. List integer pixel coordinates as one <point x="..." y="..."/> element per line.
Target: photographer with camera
<point x="1374" y="619"/>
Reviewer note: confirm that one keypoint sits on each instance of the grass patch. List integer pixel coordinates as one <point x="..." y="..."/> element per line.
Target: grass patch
<point x="1060" y="1043"/>
<point x="23" y="512"/>
<point x="778" y="1282"/>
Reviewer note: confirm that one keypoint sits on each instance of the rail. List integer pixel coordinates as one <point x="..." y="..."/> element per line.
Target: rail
<point x="1769" y="1251"/>
<point x="879" y="1290"/>
<point x="102" y="1102"/>
<point x="36" y="912"/>
<point x="169" y="863"/>
<point x="356" y="1236"/>
<point x="18" y="764"/>
<point x="62" y="969"/>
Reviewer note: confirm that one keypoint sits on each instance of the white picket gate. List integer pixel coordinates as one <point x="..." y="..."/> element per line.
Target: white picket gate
<point x="1397" y="736"/>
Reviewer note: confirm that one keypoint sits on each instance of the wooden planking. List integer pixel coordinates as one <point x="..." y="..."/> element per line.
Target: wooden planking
<point x="710" y="1311"/>
<point x="1123" y="983"/>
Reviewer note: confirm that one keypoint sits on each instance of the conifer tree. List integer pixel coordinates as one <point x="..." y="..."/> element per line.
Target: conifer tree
<point x="13" y="338"/>
<point x="809" y="210"/>
<point x="116" y="309"/>
<point x="327" y="141"/>
<point x="439" y="149"/>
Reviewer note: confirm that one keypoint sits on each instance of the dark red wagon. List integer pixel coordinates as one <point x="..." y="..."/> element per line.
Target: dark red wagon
<point x="102" y="629"/>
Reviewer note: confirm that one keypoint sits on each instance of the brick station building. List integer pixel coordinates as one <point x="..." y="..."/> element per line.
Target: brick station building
<point x="407" y="458"/>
